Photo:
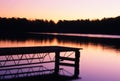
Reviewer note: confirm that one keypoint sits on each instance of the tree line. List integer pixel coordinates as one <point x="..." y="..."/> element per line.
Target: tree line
<point x="23" y="25"/>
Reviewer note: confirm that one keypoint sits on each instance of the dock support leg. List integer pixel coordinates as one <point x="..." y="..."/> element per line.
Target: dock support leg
<point x="57" y="56"/>
<point x="76" y="71"/>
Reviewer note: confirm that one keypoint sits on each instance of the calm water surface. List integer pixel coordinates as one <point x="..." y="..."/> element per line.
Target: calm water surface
<point x="99" y="61"/>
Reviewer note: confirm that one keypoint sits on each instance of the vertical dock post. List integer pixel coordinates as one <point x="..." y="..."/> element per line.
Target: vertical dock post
<point x="76" y="70"/>
<point x="57" y="56"/>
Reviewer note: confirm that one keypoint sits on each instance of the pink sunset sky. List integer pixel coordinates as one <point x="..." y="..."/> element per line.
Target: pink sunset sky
<point x="60" y="9"/>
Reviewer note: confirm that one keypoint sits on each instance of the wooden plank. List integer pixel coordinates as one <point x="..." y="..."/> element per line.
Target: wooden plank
<point x="67" y="64"/>
<point x="67" y="58"/>
<point x="21" y="59"/>
<point x="22" y="67"/>
<point x="37" y="49"/>
<point x="26" y="72"/>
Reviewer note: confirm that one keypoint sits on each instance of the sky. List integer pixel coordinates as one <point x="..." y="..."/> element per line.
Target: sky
<point x="60" y="9"/>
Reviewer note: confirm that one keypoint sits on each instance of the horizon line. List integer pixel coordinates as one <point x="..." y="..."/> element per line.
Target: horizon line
<point x="33" y="19"/>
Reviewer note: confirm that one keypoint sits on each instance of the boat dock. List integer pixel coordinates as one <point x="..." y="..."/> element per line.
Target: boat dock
<point x="19" y="62"/>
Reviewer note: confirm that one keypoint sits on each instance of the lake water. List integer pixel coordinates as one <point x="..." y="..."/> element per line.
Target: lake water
<point x="100" y="57"/>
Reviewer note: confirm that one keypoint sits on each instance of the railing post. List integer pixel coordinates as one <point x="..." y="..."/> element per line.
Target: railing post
<point x="57" y="56"/>
<point x="77" y="56"/>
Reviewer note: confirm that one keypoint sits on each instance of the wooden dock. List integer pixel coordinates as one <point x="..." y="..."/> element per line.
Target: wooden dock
<point x="13" y="59"/>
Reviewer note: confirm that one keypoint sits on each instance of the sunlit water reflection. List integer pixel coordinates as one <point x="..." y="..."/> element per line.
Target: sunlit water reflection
<point x="98" y="61"/>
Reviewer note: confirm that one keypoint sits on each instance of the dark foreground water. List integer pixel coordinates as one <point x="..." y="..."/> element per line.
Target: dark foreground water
<point x="100" y="57"/>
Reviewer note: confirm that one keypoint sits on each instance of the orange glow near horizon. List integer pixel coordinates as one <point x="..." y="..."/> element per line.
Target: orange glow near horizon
<point x="60" y="9"/>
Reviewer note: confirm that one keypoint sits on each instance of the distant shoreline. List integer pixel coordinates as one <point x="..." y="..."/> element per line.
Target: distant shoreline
<point x="80" y="35"/>
<point x="21" y="26"/>
<point x="37" y="35"/>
